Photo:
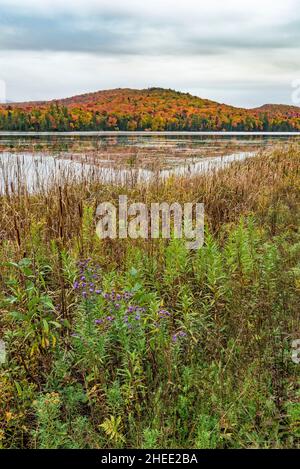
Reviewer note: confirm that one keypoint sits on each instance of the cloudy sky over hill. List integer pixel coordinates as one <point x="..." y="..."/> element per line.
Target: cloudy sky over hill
<point x="233" y="52"/>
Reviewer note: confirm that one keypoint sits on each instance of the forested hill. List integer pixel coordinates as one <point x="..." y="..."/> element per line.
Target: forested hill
<point x="149" y="109"/>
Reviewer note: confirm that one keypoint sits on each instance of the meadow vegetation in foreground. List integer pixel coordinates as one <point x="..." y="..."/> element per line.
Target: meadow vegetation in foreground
<point x="143" y="343"/>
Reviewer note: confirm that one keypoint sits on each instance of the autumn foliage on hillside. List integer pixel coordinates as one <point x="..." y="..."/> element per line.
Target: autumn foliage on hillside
<point x="153" y="109"/>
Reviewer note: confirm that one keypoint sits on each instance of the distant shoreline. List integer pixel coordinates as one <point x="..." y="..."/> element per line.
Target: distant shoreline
<point x="111" y="133"/>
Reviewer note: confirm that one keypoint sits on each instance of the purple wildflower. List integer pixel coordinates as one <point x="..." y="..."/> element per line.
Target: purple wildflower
<point x="164" y="313"/>
<point x="127" y="295"/>
<point x="178" y="334"/>
<point x="75" y="335"/>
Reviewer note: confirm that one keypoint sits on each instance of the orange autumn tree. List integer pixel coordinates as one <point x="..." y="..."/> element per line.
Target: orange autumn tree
<point x="153" y="109"/>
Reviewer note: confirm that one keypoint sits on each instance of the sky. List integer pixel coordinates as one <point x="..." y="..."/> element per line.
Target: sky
<point x="240" y="53"/>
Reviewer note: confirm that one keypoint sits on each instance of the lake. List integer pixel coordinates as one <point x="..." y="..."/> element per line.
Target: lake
<point x="36" y="160"/>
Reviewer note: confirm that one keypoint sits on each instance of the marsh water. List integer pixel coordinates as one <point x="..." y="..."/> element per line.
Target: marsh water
<point x="34" y="161"/>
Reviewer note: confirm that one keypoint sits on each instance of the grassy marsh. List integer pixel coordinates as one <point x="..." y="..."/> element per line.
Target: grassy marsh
<point x="134" y="343"/>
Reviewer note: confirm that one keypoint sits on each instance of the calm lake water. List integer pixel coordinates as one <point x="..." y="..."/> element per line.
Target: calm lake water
<point x="36" y="160"/>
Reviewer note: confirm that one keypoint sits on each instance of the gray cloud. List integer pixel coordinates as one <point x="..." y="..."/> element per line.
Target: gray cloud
<point x="124" y="33"/>
<point x="226" y="51"/>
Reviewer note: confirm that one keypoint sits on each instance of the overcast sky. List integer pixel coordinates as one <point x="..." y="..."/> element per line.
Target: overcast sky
<point x="240" y="53"/>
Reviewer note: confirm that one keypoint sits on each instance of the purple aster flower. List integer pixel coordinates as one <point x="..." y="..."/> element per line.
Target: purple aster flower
<point x="137" y="317"/>
<point x="164" y="313"/>
<point x="98" y="292"/>
<point x="178" y="334"/>
<point x="110" y="318"/>
<point x="98" y="321"/>
<point x="84" y="294"/>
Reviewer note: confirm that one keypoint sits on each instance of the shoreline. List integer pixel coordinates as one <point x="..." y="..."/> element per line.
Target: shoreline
<point x="110" y="133"/>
